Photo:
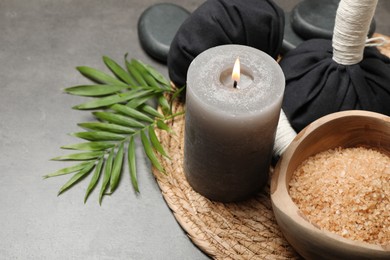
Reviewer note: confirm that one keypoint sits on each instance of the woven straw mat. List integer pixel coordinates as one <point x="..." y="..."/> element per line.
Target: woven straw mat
<point x="245" y="230"/>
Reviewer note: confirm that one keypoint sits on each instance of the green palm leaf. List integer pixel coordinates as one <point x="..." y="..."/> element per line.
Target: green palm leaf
<point x="136" y="102"/>
<point x="154" y="73"/>
<point x="95" y="90"/>
<point x="118" y="119"/>
<point x="119" y="72"/>
<point x="70" y="169"/>
<point x="94" y="179"/>
<point x="157" y="75"/>
<point x="113" y="128"/>
<point x="135" y="73"/>
<point x="98" y="136"/>
<point x="149" y="152"/>
<point x="107" y="175"/>
<point x="116" y="169"/>
<point x="156" y="143"/>
<point x="150" y="110"/>
<point x="164" y="103"/>
<point x="163" y="126"/>
<point x="82" y="173"/>
<point x="131" y="112"/>
<point x="99" y="76"/>
<point x="79" y="156"/>
<point x="113" y="99"/>
<point x="174" y="96"/>
<point x="89" y="146"/>
<point x="145" y="74"/>
<point x="132" y="164"/>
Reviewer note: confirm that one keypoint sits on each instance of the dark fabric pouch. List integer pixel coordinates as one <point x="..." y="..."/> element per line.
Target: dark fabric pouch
<point x="255" y="23"/>
<point x="316" y="85"/>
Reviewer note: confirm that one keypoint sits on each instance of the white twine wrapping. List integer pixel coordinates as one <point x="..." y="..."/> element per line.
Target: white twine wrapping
<point x="284" y="135"/>
<point x="353" y="19"/>
<point x="376" y="41"/>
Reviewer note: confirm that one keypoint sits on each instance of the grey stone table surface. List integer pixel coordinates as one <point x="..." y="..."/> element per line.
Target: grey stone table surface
<point x="41" y="43"/>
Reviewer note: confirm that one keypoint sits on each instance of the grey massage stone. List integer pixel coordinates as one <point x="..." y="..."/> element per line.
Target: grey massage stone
<point x="311" y="19"/>
<point x="157" y="27"/>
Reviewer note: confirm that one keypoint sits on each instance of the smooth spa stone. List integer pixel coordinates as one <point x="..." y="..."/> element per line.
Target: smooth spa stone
<point x="230" y="132"/>
<point x="290" y="39"/>
<point x="316" y="18"/>
<point x="311" y="19"/>
<point x="157" y="27"/>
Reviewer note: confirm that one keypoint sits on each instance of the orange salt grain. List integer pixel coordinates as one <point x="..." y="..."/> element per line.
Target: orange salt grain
<point x="346" y="191"/>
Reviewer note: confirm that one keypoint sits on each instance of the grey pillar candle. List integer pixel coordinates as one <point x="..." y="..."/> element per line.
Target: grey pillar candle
<point x="229" y="132"/>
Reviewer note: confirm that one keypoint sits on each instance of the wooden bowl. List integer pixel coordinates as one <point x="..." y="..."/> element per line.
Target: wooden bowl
<point x="341" y="129"/>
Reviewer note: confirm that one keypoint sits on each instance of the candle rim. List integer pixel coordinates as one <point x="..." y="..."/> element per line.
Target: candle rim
<point x="254" y="59"/>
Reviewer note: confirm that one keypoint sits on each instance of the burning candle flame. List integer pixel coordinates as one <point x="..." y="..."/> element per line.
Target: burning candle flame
<point x="236" y="73"/>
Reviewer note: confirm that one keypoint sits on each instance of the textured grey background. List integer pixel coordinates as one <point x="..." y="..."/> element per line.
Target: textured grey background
<point x="41" y="43"/>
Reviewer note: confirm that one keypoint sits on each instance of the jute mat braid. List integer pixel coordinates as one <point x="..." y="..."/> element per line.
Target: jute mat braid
<point x="245" y="230"/>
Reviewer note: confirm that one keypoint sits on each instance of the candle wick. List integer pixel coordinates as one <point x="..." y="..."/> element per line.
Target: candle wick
<point x="235" y="84"/>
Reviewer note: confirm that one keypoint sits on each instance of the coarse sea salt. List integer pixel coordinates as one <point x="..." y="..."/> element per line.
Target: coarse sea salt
<point x="354" y="204"/>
